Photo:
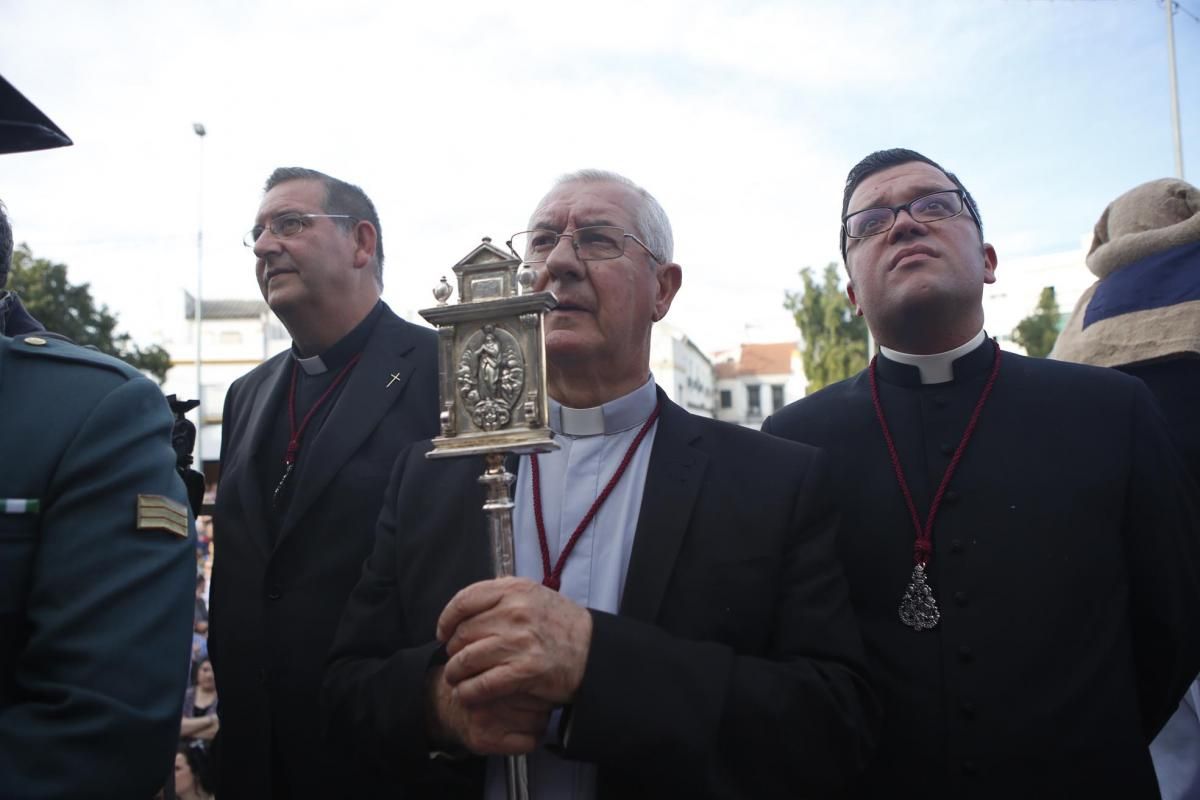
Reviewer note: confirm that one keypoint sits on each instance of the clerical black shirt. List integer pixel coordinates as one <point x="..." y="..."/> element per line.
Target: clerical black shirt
<point x="310" y="385"/>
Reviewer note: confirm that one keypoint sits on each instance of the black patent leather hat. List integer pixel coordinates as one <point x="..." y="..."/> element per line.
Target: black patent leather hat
<point x="23" y="126"/>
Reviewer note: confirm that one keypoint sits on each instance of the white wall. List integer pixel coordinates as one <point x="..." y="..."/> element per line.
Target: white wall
<point x="229" y="349"/>
<point x="682" y="370"/>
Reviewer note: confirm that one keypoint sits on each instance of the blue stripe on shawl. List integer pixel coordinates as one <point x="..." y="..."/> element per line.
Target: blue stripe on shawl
<point x="1163" y="279"/>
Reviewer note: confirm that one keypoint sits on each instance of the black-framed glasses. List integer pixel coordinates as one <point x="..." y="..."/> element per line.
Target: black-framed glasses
<point x="591" y="243"/>
<point x="287" y="225"/>
<point x="931" y="207"/>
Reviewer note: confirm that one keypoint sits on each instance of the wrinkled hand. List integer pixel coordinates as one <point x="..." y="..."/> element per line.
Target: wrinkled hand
<point x="509" y="637"/>
<point x="510" y="726"/>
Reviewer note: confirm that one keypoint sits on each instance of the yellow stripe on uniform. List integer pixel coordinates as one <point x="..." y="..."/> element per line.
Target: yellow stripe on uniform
<point x="158" y="513"/>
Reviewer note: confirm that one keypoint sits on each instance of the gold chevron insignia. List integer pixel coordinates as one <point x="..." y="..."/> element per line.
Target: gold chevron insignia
<point x="158" y="513"/>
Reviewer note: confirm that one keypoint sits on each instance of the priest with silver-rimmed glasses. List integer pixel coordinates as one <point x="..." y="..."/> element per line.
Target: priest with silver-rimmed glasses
<point x="678" y="624"/>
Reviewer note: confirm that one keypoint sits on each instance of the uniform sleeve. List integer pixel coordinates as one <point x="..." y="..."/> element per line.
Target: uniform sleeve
<point x="796" y="721"/>
<point x="97" y="687"/>
<point x="1162" y="547"/>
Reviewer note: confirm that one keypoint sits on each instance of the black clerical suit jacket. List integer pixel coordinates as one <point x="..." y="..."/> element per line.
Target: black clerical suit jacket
<point x="275" y="605"/>
<point x="732" y="670"/>
<point x="1064" y="565"/>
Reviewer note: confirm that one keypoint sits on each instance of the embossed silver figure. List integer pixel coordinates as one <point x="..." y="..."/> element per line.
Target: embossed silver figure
<point x="492" y="389"/>
<point x="918" y="607"/>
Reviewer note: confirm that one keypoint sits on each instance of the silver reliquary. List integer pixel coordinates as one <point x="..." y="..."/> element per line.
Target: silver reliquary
<point x="491" y="358"/>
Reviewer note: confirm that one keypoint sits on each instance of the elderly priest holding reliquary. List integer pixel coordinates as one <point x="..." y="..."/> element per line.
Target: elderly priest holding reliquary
<point x="677" y="624"/>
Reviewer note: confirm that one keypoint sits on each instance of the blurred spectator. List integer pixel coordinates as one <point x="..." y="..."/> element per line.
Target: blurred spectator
<point x="1142" y="316"/>
<point x="199" y="643"/>
<point x="203" y="537"/>
<point x="200" y="705"/>
<point x="191" y="773"/>
<point x="201" y="614"/>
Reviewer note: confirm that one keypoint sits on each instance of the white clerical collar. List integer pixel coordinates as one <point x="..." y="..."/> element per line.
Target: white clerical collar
<point x="614" y="416"/>
<point x="935" y="367"/>
<point x="312" y="365"/>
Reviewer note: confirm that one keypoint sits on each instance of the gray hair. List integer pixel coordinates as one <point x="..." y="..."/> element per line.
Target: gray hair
<point x="340" y="198"/>
<point x="651" y="220"/>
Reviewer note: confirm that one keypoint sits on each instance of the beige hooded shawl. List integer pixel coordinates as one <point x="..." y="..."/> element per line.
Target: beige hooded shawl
<point x="1151" y="218"/>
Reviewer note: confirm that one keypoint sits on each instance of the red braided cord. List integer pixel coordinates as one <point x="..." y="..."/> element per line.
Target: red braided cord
<point x="553" y="577"/>
<point x="294" y="444"/>
<point x="923" y="545"/>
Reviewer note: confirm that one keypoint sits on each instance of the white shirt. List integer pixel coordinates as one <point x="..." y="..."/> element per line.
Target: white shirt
<point x="593" y="442"/>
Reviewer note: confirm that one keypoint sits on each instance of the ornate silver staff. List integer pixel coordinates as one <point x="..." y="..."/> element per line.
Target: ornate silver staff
<point x="492" y="388"/>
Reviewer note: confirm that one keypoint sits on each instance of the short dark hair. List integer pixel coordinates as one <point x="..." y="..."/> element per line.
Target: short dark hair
<point x="340" y="198"/>
<point x="196" y="756"/>
<point x="885" y="159"/>
<point x="195" y="671"/>
<point x="6" y="245"/>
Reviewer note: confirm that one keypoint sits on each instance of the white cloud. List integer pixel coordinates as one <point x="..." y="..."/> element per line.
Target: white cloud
<point x="741" y="117"/>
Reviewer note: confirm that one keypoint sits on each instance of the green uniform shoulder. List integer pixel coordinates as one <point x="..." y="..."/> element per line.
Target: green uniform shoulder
<point x="56" y="349"/>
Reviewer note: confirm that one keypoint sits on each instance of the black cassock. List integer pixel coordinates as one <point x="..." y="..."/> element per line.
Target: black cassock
<point x="1065" y="560"/>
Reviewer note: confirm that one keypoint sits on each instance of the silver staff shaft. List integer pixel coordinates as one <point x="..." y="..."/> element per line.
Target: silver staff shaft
<point x="498" y="506"/>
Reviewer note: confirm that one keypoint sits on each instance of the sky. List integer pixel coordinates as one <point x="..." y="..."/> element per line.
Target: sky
<point x="741" y="117"/>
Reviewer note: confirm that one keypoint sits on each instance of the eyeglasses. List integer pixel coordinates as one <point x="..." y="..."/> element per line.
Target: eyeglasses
<point x="287" y="225"/>
<point x="926" y="208"/>
<point x="593" y="243"/>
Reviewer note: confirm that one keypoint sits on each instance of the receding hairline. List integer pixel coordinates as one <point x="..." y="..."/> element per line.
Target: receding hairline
<point x="650" y="221"/>
<point x="561" y="185"/>
<point x="322" y="201"/>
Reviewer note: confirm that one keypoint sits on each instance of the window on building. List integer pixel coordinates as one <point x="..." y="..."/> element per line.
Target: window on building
<point x="231" y="337"/>
<point x="776" y="396"/>
<point x="726" y="398"/>
<point x="753" y="401"/>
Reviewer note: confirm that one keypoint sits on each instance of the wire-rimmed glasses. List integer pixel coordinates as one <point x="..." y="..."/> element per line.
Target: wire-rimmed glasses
<point x="931" y="207"/>
<point x="591" y="243"/>
<point x="287" y="225"/>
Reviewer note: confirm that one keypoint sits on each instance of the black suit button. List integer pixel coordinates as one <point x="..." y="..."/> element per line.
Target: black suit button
<point x="947" y="449"/>
<point x="968" y="710"/>
<point x="262" y="676"/>
<point x="969" y="768"/>
<point x="274" y="593"/>
<point x="951" y="496"/>
<point x="956" y="546"/>
<point x="966" y="656"/>
<point x="939" y="400"/>
<point x="960" y="599"/>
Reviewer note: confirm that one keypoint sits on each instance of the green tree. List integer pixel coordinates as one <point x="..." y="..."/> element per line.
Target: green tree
<point x="835" y="339"/>
<point x="1038" y="332"/>
<point x="70" y="310"/>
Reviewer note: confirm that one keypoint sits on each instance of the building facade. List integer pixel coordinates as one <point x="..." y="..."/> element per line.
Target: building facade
<point x="756" y="380"/>
<point x="236" y="336"/>
<point x="682" y="369"/>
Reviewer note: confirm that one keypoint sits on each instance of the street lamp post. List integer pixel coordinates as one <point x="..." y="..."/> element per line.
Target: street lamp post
<point x="198" y="305"/>
<point x="1170" y="7"/>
